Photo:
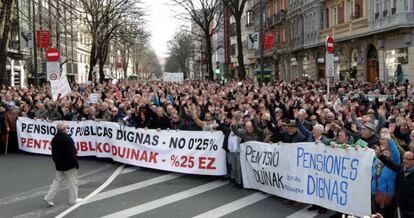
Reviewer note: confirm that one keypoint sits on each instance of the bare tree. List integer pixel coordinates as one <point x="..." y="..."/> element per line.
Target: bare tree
<point x="207" y="14"/>
<point x="236" y="8"/>
<point x="6" y="11"/>
<point x="103" y="19"/>
<point x="180" y="49"/>
<point x="171" y="65"/>
<point x="129" y="38"/>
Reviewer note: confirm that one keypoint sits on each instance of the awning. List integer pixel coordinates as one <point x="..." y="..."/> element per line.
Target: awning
<point x="265" y="70"/>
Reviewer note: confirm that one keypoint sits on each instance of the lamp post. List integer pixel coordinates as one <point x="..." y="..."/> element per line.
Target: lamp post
<point x="261" y="42"/>
<point x="34" y="45"/>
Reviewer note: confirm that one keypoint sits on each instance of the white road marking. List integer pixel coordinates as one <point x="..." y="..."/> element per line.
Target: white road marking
<point x="304" y="213"/>
<point x="129" y="170"/>
<point x="42" y="190"/>
<point x="100" y="188"/>
<point x="233" y="206"/>
<point x="133" y="187"/>
<point x="168" y="199"/>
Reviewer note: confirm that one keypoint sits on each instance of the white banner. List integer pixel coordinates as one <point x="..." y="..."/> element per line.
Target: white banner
<point x="337" y="179"/>
<point x="174" y="77"/>
<point x="192" y="152"/>
<point x="60" y="88"/>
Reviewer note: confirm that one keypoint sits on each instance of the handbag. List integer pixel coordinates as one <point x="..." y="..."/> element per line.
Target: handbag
<point x="381" y="198"/>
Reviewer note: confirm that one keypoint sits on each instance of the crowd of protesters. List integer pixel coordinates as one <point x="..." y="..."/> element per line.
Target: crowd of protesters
<point x="356" y="114"/>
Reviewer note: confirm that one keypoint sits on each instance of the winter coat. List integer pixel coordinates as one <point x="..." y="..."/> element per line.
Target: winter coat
<point x="64" y="152"/>
<point x="297" y="137"/>
<point x="386" y="178"/>
<point x="405" y="184"/>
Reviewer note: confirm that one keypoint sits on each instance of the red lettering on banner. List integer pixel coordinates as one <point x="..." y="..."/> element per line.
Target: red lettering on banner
<point x="33" y="143"/>
<point x="144" y="156"/>
<point x="83" y="146"/>
<point x="30" y="143"/>
<point x="202" y="163"/>
<point x="153" y="157"/>
<point x="134" y="154"/>
<point x="106" y="148"/>
<point x="114" y="150"/>
<point x="121" y="152"/>
<point x="210" y="163"/>
<point x="98" y="147"/>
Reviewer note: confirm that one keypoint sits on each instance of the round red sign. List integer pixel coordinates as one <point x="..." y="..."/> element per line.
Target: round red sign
<point x="52" y="54"/>
<point x="329" y="44"/>
<point x="53" y="76"/>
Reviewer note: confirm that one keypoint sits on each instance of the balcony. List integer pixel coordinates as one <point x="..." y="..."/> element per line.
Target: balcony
<point x="276" y="19"/>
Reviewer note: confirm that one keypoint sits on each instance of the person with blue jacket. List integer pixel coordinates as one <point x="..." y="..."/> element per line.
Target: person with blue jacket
<point x="383" y="178"/>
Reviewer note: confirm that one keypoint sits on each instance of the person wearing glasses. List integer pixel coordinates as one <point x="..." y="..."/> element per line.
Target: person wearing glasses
<point x="405" y="181"/>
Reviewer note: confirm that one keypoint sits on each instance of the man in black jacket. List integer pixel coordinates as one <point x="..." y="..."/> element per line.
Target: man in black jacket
<point x="66" y="163"/>
<point x="405" y="183"/>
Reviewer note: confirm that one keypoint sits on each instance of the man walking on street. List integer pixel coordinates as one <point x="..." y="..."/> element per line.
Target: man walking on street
<point x="64" y="156"/>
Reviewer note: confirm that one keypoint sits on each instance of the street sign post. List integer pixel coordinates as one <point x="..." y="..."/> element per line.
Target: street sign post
<point x="329" y="62"/>
<point x="53" y="70"/>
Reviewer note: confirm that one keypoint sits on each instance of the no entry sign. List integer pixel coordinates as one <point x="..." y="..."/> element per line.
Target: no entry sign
<point x="329" y="44"/>
<point x="52" y="54"/>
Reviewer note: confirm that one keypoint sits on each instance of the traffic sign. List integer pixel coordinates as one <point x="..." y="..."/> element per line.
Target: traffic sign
<point x="329" y="44"/>
<point x="330" y="67"/>
<point x="52" y="54"/>
<point x="52" y="70"/>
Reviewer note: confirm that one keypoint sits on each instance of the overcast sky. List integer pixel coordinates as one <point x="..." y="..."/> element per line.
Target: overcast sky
<point x="162" y="25"/>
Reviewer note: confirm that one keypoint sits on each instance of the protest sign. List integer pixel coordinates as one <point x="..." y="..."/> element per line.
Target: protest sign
<point x="60" y="88"/>
<point x="192" y="152"/>
<point x="337" y="179"/>
<point x="174" y="77"/>
<point x="93" y="98"/>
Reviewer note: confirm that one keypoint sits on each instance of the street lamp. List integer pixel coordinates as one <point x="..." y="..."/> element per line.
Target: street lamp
<point x="261" y="42"/>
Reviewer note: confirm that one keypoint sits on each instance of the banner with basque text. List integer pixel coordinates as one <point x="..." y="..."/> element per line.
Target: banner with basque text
<point x="337" y="179"/>
<point x="192" y="152"/>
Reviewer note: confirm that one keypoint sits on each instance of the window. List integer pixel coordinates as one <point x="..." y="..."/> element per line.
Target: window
<point x="358" y="9"/>
<point x="322" y="20"/>
<point x="327" y="17"/>
<point x="334" y="16"/>
<point x="378" y="6"/>
<point x="341" y="12"/>
<point x="249" y="20"/>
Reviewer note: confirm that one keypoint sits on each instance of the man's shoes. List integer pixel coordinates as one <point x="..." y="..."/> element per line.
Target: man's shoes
<point x="322" y="210"/>
<point x="50" y="203"/>
<point x="314" y="207"/>
<point x="77" y="201"/>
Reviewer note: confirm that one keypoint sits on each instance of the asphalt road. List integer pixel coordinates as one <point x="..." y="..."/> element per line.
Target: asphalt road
<point x="135" y="192"/>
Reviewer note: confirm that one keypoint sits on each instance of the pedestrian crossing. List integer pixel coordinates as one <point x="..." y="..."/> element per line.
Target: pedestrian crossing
<point x="140" y="192"/>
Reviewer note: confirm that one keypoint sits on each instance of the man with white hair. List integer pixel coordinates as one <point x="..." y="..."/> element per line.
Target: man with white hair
<point x="66" y="163"/>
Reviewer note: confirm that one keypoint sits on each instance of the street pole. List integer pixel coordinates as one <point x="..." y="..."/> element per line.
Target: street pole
<point x="261" y="42"/>
<point x="34" y="45"/>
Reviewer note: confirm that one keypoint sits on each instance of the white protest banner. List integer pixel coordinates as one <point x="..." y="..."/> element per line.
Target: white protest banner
<point x="174" y="77"/>
<point x="93" y="98"/>
<point x="337" y="179"/>
<point x="192" y="152"/>
<point x="60" y="88"/>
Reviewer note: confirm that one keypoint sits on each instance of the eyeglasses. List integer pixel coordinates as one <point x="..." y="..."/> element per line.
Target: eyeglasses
<point x="371" y="113"/>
